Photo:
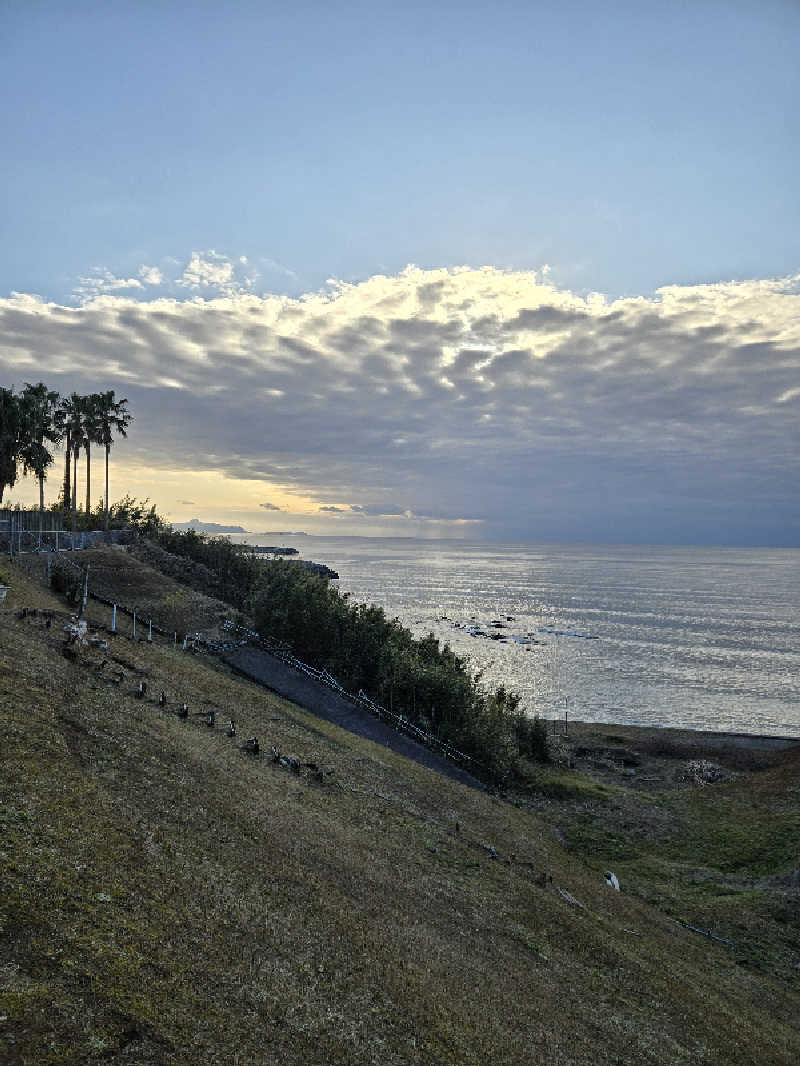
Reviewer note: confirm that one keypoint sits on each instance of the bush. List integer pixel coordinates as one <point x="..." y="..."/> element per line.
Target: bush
<point x="531" y="734"/>
<point x="67" y="580"/>
<point x="419" y="679"/>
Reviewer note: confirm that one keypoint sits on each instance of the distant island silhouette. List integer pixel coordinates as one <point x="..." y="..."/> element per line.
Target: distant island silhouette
<point x="207" y="527"/>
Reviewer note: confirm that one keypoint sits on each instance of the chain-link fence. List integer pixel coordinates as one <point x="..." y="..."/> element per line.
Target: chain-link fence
<point x="21" y="534"/>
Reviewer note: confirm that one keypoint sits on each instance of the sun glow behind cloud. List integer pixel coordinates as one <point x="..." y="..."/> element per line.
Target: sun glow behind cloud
<point x="441" y="400"/>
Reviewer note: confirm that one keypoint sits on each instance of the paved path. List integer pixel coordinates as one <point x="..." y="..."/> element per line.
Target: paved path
<point x="303" y="690"/>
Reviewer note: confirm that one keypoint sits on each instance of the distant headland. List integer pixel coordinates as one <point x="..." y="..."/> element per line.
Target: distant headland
<point x="206" y="527"/>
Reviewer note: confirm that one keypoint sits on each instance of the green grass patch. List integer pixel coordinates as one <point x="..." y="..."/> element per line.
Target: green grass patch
<point x="164" y="898"/>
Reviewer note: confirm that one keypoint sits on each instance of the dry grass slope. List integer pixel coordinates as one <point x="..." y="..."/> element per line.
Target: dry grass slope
<point x="164" y="898"/>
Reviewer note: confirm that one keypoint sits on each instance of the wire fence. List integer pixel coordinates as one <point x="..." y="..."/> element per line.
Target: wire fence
<point x="19" y="539"/>
<point x="239" y="636"/>
<point x="399" y="722"/>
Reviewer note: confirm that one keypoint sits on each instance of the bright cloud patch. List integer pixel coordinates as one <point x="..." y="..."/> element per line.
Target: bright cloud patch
<point x="151" y="275"/>
<point x="456" y="394"/>
<point x="102" y="281"/>
<point x="210" y="271"/>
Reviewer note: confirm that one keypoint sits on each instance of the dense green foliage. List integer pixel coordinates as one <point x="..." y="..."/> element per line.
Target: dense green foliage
<point x="138" y="516"/>
<point x="234" y="572"/>
<point x="10" y="437"/>
<point x="364" y="650"/>
<point x="420" y="679"/>
<point x="38" y="416"/>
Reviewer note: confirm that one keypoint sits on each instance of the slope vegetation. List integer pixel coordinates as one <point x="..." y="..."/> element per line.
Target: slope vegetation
<point x="167" y="898"/>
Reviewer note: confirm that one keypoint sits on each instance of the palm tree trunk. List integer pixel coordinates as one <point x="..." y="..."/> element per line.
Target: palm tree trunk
<point x="88" y="478"/>
<point x="41" y="509"/>
<point x="75" y="455"/>
<point x="108" y="449"/>
<point x="67" y="480"/>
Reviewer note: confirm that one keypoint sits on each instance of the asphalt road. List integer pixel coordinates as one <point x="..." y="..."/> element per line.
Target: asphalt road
<point x="299" y="688"/>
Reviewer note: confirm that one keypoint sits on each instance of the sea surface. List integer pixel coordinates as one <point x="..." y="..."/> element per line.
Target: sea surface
<point x="703" y="638"/>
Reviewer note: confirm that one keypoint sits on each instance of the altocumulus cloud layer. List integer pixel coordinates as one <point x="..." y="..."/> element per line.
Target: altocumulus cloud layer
<point x="455" y="395"/>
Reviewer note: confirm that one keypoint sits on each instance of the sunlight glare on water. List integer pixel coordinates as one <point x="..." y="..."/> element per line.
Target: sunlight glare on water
<point x="692" y="637"/>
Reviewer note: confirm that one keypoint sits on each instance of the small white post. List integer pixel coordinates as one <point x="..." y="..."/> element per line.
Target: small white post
<point x="150" y="631"/>
<point x="134" y="625"/>
<point x="174" y="640"/>
<point x="113" y="617"/>
<point x="85" y="589"/>
<point x="184" y="642"/>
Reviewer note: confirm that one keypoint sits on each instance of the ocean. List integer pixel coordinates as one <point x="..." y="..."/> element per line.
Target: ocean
<point x="702" y="638"/>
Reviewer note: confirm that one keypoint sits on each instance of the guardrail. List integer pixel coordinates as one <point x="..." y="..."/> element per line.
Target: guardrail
<point x="241" y="636"/>
<point x="397" y="721"/>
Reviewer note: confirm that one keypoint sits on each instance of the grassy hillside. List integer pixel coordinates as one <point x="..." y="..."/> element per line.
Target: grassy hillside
<point x="165" y="898"/>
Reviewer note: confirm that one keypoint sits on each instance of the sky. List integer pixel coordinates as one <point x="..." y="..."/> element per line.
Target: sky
<point x="512" y="271"/>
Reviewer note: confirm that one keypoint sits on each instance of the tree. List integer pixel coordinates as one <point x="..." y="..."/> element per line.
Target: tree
<point x="92" y="434"/>
<point x="39" y="406"/>
<point x="68" y="422"/>
<point x="111" y="415"/>
<point x="11" y="426"/>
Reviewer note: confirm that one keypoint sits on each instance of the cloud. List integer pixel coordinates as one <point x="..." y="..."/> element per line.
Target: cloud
<point x="442" y="396"/>
<point x="212" y="272"/>
<point x="186" y="503"/>
<point x="151" y="275"/>
<point x="101" y="281"/>
<point x="270" y="506"/>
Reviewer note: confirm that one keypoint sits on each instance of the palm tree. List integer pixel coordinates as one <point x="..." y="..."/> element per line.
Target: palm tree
<point x="77" y="433"/>
<point x="68" y="422"/>
<point x="39" y="406"/>
<point x="92" y="434"/>
<point x="10" y="431"/>
<point x="112" y="415"/>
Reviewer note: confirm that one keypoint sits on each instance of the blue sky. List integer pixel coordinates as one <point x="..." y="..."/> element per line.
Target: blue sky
<point x="160" y="155"/>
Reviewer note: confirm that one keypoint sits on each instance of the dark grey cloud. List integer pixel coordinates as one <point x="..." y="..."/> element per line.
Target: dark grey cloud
<point x="459" y="395"/>
<point x="270" y="506"/>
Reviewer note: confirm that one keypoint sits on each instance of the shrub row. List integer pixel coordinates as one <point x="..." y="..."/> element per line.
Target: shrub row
<point x="365" y="650"/>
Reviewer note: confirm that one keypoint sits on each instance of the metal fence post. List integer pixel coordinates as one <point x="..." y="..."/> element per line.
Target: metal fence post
<point x="134" y="625"/>
<point x="150" y="631"/>
<point x="113" y="617"/>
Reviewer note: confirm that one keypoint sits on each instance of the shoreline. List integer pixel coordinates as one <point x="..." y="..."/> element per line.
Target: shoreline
<point x="707" y="737"/>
